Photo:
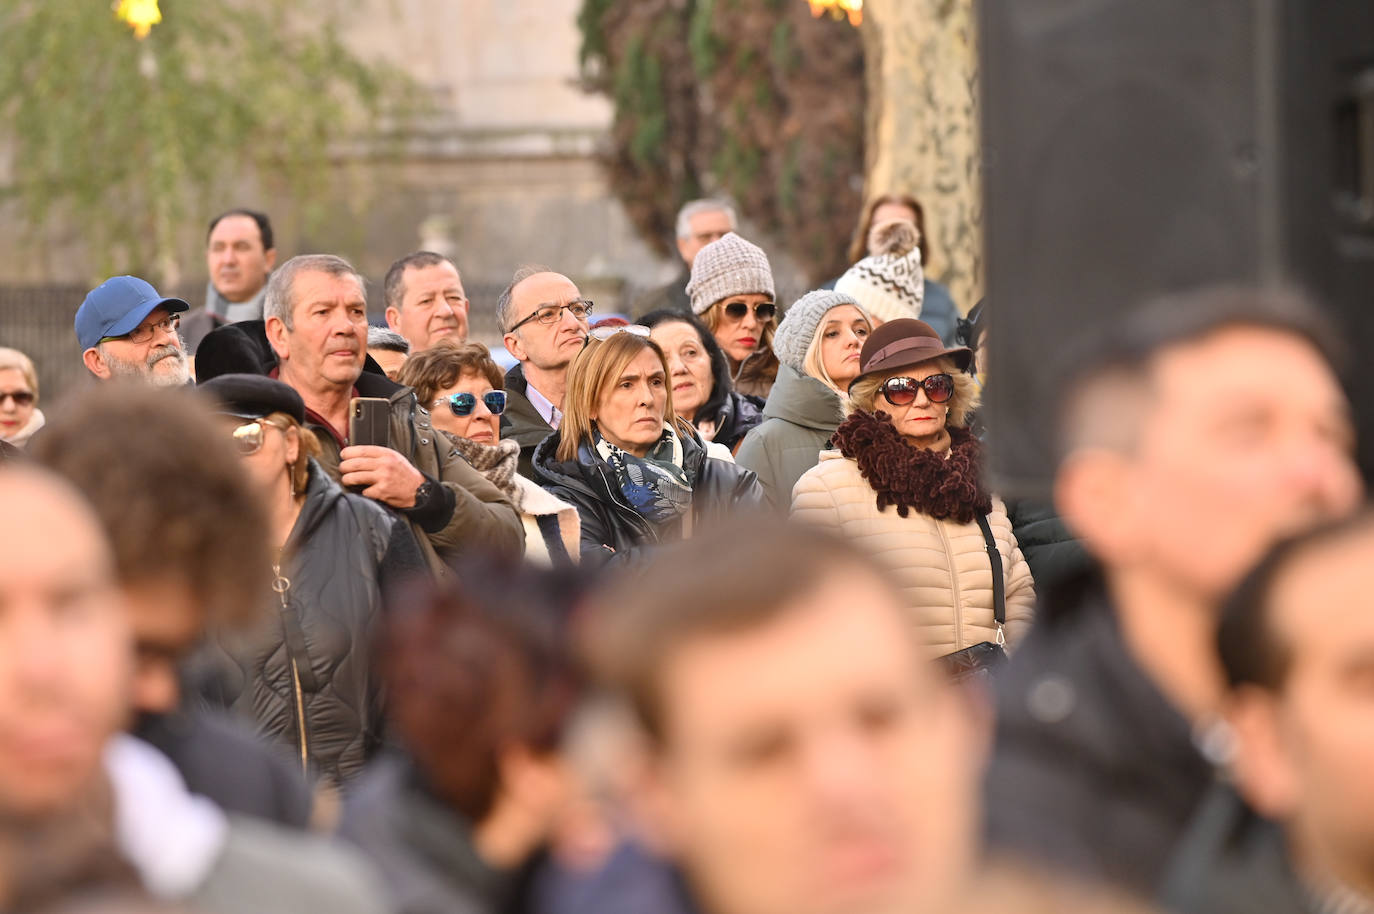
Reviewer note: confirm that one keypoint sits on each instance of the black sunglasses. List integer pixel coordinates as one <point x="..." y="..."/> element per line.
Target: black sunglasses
<point x="462" y="404"/>
<point x="763" y="312"/>
<point x="902" y="391"/>
<point x="20" y="397"/>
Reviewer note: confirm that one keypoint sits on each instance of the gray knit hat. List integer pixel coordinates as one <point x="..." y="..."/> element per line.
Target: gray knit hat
<point x="801" y="322"/>
<point x="728" y="266"/>
<point x="889" y="283"/>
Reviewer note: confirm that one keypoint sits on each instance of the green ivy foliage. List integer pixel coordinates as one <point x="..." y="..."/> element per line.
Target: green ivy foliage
<point x="750" y="98"/>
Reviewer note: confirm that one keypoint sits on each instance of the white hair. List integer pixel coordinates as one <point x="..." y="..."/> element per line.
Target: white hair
<point x="706" y="205"/>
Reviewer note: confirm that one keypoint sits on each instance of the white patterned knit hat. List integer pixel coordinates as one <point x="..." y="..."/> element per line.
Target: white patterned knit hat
<point x="888" y="283"/>
<point x="728" y="266"/>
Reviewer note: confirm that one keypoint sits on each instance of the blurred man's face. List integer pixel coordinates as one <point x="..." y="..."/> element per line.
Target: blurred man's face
<point x="1307" y="752"/>
<point x="814" y="765"/>
<point x="65" y="653"/>
<point x="706" y="227"/>
<point x="433" y="306"/>
<point x="1248" y="438"/>
<point x="237" y="261"/>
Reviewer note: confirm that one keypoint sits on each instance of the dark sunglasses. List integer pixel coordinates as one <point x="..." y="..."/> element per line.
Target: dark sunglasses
<point x="462" y="404"/>
<point x="763" y="312"/>
<point x="902" y="391"/>
<point x="20" y="397"/>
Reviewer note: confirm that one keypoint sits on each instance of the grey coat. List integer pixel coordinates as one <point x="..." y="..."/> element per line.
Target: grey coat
<point x="800" y="416"/>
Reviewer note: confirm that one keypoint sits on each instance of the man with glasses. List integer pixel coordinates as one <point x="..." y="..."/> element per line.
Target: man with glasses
<point x="127" y="329"/>
<point x="699" y="222"/>
<point x="544" y="320"/>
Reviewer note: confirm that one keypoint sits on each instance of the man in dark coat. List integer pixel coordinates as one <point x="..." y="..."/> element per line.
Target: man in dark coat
<point x="699" y="222"/>
<point x="1182" y="461"/>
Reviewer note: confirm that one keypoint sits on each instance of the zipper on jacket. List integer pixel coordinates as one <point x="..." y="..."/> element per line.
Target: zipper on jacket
<point x="282" y="586"/>
<point x="629" y="510"/>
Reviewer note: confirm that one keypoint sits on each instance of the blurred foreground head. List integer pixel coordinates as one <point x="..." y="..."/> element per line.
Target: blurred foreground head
<point x="1209" y="425"/>
<point x="189" y="533"/>
<point x="64" y="646"/>
<point x="803" y="757"/>
<point x="1297" y="644"/>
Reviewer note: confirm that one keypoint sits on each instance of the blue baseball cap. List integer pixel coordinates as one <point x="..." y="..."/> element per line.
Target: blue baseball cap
<point x="117" y="306"/>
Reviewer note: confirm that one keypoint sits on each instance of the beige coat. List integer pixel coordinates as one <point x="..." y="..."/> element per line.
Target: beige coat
<point x="941" y="566"/>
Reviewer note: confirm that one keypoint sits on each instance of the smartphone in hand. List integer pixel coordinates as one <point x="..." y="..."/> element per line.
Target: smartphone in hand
<point x="369" y="421"/>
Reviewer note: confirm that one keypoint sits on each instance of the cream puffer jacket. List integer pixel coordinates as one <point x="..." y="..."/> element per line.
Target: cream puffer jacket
<point x="941" y="566"/>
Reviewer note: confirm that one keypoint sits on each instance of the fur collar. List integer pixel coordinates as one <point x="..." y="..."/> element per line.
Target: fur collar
<point x="944" y="487"/>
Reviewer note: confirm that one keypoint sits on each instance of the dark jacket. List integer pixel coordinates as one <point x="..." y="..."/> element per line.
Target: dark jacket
<point x="1052" y="552"/>
<point x="800" y="416"/>
<point x="422" y="848"/>
<point x="672" y="296"/>
<point x="1233" y="861"/>
<point x="735" y="418"/>
<point x="1093" y="770"/>
<point x="938" y="310"/>
<point x="220" y="761"/>
<point x="196" y="325"/>
<point x="465" y="509"/>
<point x="610" y="526"/>
<point x="521" y="422"/>
<point x="310" y="683"/>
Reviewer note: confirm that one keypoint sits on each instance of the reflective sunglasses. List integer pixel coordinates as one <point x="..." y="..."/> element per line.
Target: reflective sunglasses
<point x="763" y="312"/>
<point x="902" y="391"/>
<point x="248" y="437"/>
<point x="605" y="333"/>
<point x="462" y="404"/>
<point x="20" y="397"/>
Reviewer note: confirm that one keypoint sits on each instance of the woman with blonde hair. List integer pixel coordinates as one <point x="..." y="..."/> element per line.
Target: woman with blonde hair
<point x="732" y="292"/>
<point x="637" y="473"/>
<point x="308" y="680"/>
<point x="905" y="485"/>
<point x="20" y="416"/>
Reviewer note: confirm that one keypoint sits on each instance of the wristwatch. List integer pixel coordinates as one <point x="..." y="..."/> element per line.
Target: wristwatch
<point x="425" y="493"/>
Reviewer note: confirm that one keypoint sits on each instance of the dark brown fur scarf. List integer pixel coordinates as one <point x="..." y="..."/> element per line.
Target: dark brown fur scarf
<point x="908" y="477"/>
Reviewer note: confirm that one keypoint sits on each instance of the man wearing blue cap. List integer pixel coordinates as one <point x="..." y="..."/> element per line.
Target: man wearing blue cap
<point x="128" y="330"/>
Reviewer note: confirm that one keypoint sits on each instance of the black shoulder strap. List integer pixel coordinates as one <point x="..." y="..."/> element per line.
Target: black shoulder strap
<point x="999" y="585"/>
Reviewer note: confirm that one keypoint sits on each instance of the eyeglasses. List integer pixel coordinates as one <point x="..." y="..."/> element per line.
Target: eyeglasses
<point x="248" y="437"/>
<point x="462" y="404"/>
<point x="605" y="333"/>
<point x="902" y="391"/>
<point x="763" y="312"/>
<point x="20" y="397"/>
<point x="551" y="314"/>
<point x="142" y="334"/>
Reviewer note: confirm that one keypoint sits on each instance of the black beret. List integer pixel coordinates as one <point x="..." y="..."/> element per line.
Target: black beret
<point x="252" y="396"/>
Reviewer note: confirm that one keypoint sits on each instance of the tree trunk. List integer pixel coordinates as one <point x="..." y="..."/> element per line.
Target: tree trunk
<point x="921" y="63"/>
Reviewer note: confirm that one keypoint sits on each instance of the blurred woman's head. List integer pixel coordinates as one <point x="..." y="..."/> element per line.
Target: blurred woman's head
<point x="821" y="337"/>
<point x="18" y="392"/>
<point x="923" y="386"/>
<point x="481" y="683"/>
<point x="698" y="372"/>
<point x="885" y="208"/>
<point x="732" y="291"/>
<point x="462" y="387"/>
<point x="618" y="387"/>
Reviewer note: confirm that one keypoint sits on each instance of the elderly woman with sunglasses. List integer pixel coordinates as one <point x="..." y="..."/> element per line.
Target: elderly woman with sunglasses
<point x="905" y="484"/>
<point x="638" y="473"/>
<point x="462" y="387"/>
<point x="20" y="416"/>
<point x="307" y="679"/>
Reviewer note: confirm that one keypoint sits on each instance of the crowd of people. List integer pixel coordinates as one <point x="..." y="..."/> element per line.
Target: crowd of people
<point x="706" y="611"/>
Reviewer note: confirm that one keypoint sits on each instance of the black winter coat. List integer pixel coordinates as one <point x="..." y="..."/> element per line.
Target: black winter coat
<point x="310" y="684"/>
<point x="1093" y="770"/>
<point x="610" y="526"/>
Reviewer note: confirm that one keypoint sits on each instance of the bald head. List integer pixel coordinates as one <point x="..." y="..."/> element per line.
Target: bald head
<point x="65" y="654"/>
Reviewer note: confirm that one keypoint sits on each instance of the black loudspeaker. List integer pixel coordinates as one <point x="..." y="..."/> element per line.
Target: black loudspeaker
<point x="1135" y="147"/>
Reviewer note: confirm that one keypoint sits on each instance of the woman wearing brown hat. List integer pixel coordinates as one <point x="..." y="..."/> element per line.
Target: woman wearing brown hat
<point x="905" y="484"/>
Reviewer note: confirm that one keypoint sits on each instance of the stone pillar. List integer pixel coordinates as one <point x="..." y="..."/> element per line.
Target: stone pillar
<point x="922" y="127"/>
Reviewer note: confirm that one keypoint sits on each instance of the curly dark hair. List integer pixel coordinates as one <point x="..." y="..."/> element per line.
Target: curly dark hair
<point x="441" y="365"/>
<point x="170" y="492"/>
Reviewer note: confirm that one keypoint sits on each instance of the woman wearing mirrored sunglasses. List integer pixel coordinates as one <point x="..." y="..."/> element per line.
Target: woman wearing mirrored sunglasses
<point x="463" y="389"/>
<point x="732" y="292"/>
<point x="906" y="484"/>
<point x="20" y="416"/>
<point x="308" y="679"/>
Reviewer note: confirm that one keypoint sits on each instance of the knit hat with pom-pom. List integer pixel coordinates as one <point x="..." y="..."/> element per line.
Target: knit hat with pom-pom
<point x="889" y="283"/>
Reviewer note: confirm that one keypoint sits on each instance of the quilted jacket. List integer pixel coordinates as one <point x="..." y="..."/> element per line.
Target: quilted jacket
<point x="941" y="566"/>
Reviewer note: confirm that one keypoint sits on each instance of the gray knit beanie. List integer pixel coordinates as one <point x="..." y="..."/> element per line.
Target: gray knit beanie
<point x="889" y="283"/>
<point x="728" y="266"/>
<point x="801" y="322"/>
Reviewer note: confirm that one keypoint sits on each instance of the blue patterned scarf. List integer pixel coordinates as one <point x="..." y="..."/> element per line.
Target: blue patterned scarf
<point x="656" y="485"/>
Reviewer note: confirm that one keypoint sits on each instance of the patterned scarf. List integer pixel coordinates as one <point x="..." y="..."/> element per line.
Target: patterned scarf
<point x="496" y="461"/>
<point x="908" y="477"/>
<point x="656" y="486"/>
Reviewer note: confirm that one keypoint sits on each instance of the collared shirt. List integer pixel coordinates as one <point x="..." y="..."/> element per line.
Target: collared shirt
<point x="544" y="406"/>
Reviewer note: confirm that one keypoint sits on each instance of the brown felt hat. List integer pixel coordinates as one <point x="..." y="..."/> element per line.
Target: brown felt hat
<point x="903" y="343"/>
